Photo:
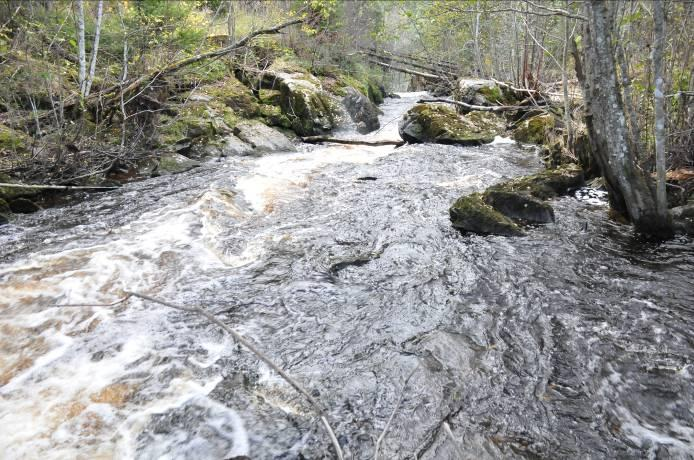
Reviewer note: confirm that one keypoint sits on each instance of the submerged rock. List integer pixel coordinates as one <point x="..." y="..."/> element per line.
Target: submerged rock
<point x="263" y="139"/>
<point x="471" y="214"/>
<point x="23" y="206"/>
<point x="520" y="207"/>
<point x="441" y="124"/>
<point x="362" y="111"/>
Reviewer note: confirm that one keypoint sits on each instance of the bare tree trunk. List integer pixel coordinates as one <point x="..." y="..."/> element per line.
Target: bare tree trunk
<point x="565" y="81"/>
<point x="82" y="55"/>
<point x="95" y="49"/>
<point x="231" y="22"/>
<point x="630" y="188"/>
<point x="478" y="54"/>
<point x="659" y="19"/>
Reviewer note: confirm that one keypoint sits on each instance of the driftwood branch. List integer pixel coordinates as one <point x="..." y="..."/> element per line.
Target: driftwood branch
<point x="57" y="187"/>
<point x="392" y="414"/>
<point x="481" y="108"/>
<point x="262" y="356"/>
<point x="334" y="140"/>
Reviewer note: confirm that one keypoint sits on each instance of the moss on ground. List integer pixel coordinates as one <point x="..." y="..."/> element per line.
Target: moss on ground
<point x="535" y="130"/>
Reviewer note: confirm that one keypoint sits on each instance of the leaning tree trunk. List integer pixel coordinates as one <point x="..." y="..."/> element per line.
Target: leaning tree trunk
<point x="631" y="190"/>
<point x="82" y="76"/>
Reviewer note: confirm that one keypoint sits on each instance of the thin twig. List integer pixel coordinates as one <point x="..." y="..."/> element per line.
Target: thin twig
<point x="392" y="415"/>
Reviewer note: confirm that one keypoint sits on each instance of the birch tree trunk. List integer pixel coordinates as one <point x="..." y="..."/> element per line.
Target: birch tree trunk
<point x="478" y="53"/>
<point x="631" y="190"/>
<point x="82" y="57"/>
<point x="95" y="49"/>
<point x="231" y="22"/>
<point x="659" y="22"/>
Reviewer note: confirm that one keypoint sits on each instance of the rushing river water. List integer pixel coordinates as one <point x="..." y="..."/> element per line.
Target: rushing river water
<point x="340" y="263"/>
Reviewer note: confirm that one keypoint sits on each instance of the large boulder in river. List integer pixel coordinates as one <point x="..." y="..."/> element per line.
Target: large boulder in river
<point x="683" y="218"/>
<point x="362" y="111"/>
<point x="310" y="110"/>
<point x="441" y="124"/>
<point x="261" y="138"/>
<point x="174" y="163"/>
<point x="520" y="207"/>
<point x="471" y="214"/>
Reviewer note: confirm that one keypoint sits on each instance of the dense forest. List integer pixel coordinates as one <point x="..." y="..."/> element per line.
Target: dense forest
<point x="395" y="229"/>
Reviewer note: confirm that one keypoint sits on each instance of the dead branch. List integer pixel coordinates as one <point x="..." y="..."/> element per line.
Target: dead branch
<point x="481" y="108"/>
<point x="392" y="414"/>
<point x="334" y="140"/>
<point x="57" y="187"/>
<point x="262" y="356"/>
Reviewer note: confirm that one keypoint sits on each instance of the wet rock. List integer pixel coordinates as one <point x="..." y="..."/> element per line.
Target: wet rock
<point x="263" y="139"/>
<point x="547" y="184"/>
<point x="233" y="146"/>
<point x="440" y="124"/>
<point x="310" y="110"/>
<point x="362" y="111"/>
<point x="683" y="218"/>
<point x="471" y="214"/>
<point x="174" y="163"/>
<point x="535" y="130"/>
<point x="520" y="207"/>
<point x="483" y="92"/>
<point x="23" y="206"/>
<point x="4" y="219"/>
<point x="4" y="207"/>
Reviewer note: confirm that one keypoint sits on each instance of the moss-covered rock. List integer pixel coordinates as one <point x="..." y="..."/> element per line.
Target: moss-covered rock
<point x="310" y="110"/>
<point x="483" y="92"/>
<point x="376" y="92"/>
<point x="23" y="206"/>
<point x="4" y="207"/>
<point x="471" y="214"/>
<point x="12" y="140"/>
<point x="547" y="184"/>
<point x="235" y="95"/>
<point x="441" y="124"/>
<point x="535" y="130"/>
<point x="261" y="138"/>
<point x="520" y="207"/>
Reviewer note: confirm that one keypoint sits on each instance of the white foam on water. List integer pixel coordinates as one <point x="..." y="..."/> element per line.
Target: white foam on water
<point x="502" y="140"/>
<point x="71" y="377"/>
<point x="280" y="178"/>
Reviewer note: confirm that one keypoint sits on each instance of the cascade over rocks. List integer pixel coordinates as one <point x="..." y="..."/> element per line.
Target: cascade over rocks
<point x="441" y="124"/>
<point x="362" y="111"/>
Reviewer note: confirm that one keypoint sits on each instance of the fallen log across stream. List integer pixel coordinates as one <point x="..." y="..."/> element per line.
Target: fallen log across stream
<point x="39" y="187"/>
<point x="335" y="140"/>
<point x="482" y="108"/>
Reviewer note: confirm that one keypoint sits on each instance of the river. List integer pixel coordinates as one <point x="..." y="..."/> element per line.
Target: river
<point x="340" y="263"/>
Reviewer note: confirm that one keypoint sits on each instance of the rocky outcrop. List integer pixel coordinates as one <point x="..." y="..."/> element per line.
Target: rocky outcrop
<point x="471" y="214"/>
<point x="261" y="138"/>
<point x="441" y="124"/>
<point x="310" y="110"/>
<point x="362" y="111"/>
<point x="4" y="212"/>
